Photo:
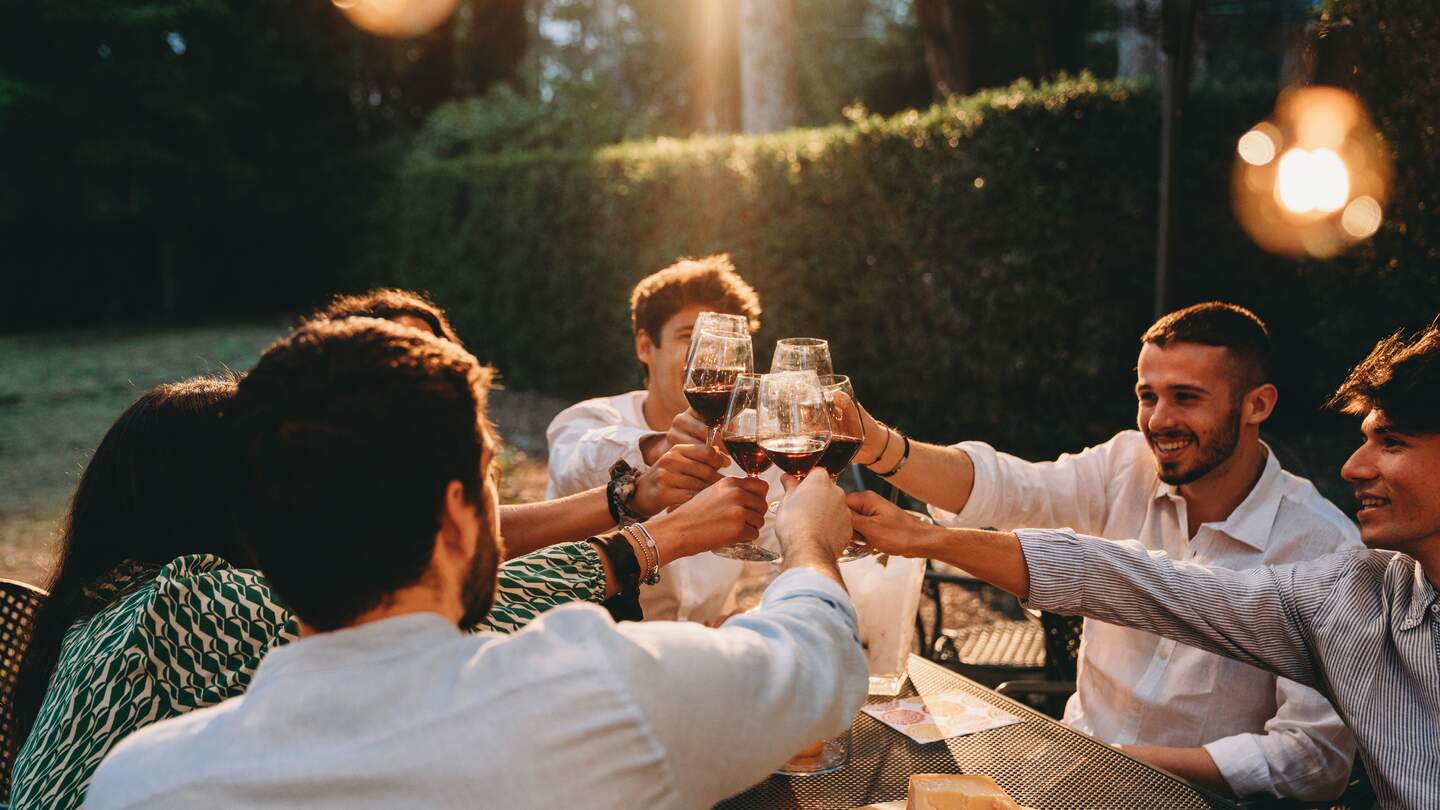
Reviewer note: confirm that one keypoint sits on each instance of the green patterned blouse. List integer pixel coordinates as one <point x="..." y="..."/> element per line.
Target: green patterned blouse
<point x="191" y="636"/>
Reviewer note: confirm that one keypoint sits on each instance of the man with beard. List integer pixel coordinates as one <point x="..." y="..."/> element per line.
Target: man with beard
<point x="368" y="498"/>
<point x="1196" y="482"/>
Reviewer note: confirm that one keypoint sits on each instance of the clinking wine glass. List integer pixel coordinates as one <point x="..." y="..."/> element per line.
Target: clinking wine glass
<point x="710" y="378"/>
<point x="793" y="406"/>
<point x="847" y="433"/>
<point x="740" y="433"/>
<point x="802" y="354"/>
<point x="721" y="323"/>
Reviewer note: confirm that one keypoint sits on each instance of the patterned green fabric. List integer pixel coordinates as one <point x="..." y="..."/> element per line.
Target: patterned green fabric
<point x="192" y="637"/>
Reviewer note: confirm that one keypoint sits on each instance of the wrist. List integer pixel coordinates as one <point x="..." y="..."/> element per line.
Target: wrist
<point x="652" y="447"/>
<point x="668" y="538"/>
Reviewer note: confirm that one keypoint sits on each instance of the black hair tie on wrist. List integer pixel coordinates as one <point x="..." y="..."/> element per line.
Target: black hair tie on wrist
<point x="625" y="605"/>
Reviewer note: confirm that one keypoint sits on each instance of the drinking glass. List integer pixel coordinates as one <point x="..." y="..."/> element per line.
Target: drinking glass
<point x="720" y="323"/>
<point x="847" y="433"/>
<point x="793" y="406"/>
<point x="802" y="354"/>
<point x="710" y="378"/>
<point x="740" y="433"/>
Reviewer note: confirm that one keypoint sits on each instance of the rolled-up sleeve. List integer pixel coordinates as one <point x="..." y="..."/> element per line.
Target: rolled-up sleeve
<point x="1244" y="615"/>
<point x="584" y="440"/>
<point x="1305" y="752"/>
<point x="1009" y="492"/>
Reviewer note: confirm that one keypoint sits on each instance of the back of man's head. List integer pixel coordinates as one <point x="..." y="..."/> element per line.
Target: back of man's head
<point x="1236" y="329"/>
<point x="391" y="304"/>
<point x="1401" y="380"/>
<point x="710" y="282"/>
<point x="348" y="433"/>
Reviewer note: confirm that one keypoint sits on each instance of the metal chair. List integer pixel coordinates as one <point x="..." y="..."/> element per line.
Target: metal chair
<point x="19" y="603"/>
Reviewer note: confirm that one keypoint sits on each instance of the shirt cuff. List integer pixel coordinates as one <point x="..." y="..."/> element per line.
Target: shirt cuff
<point x="1056" y="562"/>
<point x="805" y="582"/>
<point x="1242" y="762"/>
<point x="978" y="507"/>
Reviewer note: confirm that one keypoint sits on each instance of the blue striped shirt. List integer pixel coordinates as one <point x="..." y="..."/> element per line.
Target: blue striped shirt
<point x="1361" y="627"/>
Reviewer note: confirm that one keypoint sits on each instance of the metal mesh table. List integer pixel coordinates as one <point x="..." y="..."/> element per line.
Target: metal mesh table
<point x="1041" y="763"/>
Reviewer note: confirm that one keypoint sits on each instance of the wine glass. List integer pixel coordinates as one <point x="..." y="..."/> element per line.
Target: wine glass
<point x="721" y="323"/>
<point x="710" y="378"/>
<point x="847" y="433"/>
<point x="802" y="354"/>
<point x="793" y="406"/>
<point x="740" y="433"/>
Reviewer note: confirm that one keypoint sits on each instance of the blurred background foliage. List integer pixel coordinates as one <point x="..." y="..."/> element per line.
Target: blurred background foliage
<point x="529" y="159"/>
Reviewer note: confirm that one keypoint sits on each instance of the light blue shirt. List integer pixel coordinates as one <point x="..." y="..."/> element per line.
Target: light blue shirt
<point x="572" y="711"/>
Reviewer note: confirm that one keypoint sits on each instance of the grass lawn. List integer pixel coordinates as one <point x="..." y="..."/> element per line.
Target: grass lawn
<point x="60" y="391"/>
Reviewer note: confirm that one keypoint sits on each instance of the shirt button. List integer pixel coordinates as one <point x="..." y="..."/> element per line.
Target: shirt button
<point x="1435" y="608"/>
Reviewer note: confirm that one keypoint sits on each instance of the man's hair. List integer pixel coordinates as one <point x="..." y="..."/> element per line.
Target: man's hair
<point x="347" y="433"/>
<point x="389" y="303"/>
<point x="710" y="281"/>
<point x="1215" y="323"/>
<point x="1400" y="379"/>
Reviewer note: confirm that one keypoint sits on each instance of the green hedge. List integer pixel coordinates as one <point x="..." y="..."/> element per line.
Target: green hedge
<point x="983" y="269"/>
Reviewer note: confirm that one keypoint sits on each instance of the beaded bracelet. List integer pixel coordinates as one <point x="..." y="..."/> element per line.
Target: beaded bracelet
<point x="654" y="550"/>
<point x="648" y="551"/>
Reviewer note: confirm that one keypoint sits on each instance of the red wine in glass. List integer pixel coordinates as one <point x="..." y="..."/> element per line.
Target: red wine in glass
<point x="796" y="454"/>
<point x="837" y="456"/>
<point x="711" y="399"/>
<point x="747" y="453"/>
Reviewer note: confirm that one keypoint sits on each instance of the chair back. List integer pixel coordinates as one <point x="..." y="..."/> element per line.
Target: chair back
<point x="19" y="603"/>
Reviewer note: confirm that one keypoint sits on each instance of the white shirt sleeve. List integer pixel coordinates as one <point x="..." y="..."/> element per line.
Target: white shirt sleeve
<point x="585" y="439"/>
<point x="1305" y="753"/>
<point x="1011" y="493"/>
<point x="730" y="705"/>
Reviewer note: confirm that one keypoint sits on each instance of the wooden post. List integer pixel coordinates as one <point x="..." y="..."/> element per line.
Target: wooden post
<point x="1177" y="37"/>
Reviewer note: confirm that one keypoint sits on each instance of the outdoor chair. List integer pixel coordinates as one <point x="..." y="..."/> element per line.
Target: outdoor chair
<point x="19" y="603"/>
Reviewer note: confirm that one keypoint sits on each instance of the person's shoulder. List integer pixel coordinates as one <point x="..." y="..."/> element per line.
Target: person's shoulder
<point x="212" y="584"/>
<point x="616" y="408"/>
<point x="153" y="760"/>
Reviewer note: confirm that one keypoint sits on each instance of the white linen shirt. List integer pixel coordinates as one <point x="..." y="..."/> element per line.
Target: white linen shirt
<point x="585" y="439"/>
<point x="572" y="711"/>
<point x="1267" y="735"/>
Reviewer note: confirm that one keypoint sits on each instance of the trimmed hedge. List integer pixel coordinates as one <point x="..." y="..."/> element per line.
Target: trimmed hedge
<point x="983" y="269"/>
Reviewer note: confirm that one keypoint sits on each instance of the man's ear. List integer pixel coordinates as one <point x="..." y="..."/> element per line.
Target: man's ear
<point x="1260" y="403"/>
<point x="644" y="347"/>
<point x="459" y="524"/>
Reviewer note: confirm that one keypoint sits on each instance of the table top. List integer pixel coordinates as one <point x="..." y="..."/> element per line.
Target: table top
<point x="1042" y="763"/>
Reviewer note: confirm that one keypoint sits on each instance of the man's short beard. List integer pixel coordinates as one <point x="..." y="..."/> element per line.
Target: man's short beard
<point x="1213" y="453"/>
<point x="477" y="592"/>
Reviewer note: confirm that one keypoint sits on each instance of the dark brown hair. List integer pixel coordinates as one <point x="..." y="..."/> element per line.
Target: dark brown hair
<point x="710" y="281"/>
<point x="1401" y="379"/>
<point x="148" y="495"/>
<point x="390" y="303"/>
<point x="347" y="433"/>
<point x="1215" y="323"/>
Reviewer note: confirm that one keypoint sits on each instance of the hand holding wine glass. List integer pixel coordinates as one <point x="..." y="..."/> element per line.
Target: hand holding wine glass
<point x="740" y="434"/>
<point x="847" y="433"/>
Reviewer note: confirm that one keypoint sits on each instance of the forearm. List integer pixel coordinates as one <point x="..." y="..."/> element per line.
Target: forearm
<point x="935" y="474"/>
<point x="995" y="557"/>
<point x="529" y="527"/>
<point x="1194" y="764"/>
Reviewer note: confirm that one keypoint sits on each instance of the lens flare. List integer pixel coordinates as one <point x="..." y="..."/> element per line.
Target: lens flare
<point x="1362" y="217"/>
<point x="1313" y="179"/>
<point x="1256" y="147"/>
<point x="400" y="19"/>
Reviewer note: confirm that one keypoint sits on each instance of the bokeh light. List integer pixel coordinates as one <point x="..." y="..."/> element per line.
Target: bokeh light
<point x="397" y="18"/>
<point x="1312" y="180"/>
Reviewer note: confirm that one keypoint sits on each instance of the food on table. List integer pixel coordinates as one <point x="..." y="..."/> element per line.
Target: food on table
<point x="957" y="791"/>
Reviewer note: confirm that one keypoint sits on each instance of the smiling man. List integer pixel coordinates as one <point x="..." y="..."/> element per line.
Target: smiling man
<point x="1364" y="627"/>
<point x="1195" y="482"/>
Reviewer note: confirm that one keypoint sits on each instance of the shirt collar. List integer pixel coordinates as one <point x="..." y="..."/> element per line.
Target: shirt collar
<point x="1251" y="521"/>
<point x="396" y="637"/>
<point x="1422" y="594"/>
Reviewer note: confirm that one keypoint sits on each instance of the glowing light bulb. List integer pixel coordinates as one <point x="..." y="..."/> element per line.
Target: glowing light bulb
<point x="1362" y="217"/>
<point x="1312" y="181"/>
<point x="397" y="18"/>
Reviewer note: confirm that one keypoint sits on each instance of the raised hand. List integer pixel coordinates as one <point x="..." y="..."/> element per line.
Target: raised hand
<point x="813" y="514"/>
<point x="889" y="528"/>
<point x="731" y="510"/>
<point x="676" y="477"/>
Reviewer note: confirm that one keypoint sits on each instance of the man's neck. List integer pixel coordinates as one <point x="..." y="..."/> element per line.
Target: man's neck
<point x="415" y="599"/>
<point x="654" y="412"/>
<point x="1215" y="496"/>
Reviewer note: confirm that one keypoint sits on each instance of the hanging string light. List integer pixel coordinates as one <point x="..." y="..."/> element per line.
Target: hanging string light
<point x="397" y="18"/>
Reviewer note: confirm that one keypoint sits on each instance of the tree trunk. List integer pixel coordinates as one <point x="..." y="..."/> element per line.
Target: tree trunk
<point x="769" y="97"/>
<point x="714" y="88"/>
<point x="955" y="36"/>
